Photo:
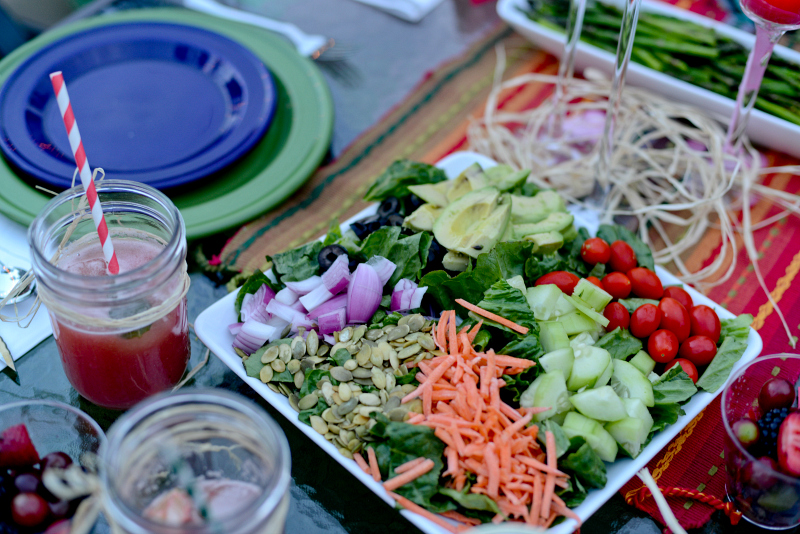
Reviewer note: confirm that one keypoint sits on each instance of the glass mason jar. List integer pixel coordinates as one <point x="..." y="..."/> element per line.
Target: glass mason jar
<point x="198" y="462"/>
<point x="125" y="337"/>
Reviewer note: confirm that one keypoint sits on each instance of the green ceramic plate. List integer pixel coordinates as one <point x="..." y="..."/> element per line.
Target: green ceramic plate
<point x="282" y="161"/>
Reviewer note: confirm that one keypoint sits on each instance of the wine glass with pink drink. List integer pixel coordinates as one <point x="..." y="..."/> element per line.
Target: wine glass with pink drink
<point x="773" y="18"/>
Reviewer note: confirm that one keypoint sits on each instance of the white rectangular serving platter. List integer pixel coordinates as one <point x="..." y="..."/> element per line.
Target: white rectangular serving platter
<point x="763" y="129"/>
<point x="212" y="328"/>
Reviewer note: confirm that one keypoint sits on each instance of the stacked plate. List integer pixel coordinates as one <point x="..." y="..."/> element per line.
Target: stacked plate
<point x="227" y="119"/>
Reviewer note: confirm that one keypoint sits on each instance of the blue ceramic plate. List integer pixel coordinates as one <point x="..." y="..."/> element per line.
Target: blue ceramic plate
<point x="162" y="104"/>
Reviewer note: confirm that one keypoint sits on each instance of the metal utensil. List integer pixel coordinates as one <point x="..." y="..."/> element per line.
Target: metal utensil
<point x="9" y="277"/>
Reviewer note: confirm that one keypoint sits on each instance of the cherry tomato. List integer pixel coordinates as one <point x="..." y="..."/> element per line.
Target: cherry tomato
<point x="688" y="368"/>
<point x="674" y="318"/>
<point x="596" y="281"/>
<point x="29" y="509"/>
<point x="704" y="322"/>
<point x="617" y="285"/>
<point x="623" y="258"/>
<point x="699" y="350"/>
<point x="645" y="320"/>
<point x="662" y="346"/>
<point x="679" y="294"/>
<point x="565" y="281"/>
<point x="617" y="315"/>
<point x="645" y="283"/>
<point x="595" y="250"/>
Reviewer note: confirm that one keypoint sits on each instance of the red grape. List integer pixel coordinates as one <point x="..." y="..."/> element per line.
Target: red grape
<point x="29" y="510"/>
<point x="746" y="431"/>
<point x="775" y="393"/>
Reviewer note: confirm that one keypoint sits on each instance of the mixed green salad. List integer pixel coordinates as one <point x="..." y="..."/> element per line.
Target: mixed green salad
<point x="573" y="339"/>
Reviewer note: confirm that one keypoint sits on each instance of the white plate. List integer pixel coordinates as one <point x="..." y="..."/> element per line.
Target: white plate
<point x="212" y="328"/>
<point x="763" y="129"/>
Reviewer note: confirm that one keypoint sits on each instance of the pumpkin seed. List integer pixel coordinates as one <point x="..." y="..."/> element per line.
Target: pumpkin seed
<point x="306" y="364"/>
<point x="312" y="343"/>
<point x="294" y="402"/>
<point x="362" y="373"/>
<point x="284" y="389"/>
<point x="355" y="388"/>
<point x="346" y="407"/>
<point x="293" y="366"/>
<point x="344" y="392"/>
<point x="374" y="334"/>
<point x="360" y="420"/>
<point x="397" y="414"/>
<point x="361" y="430"/>
<point x="299" y="378"/>
<point x="266" y="374"/>
<point x="350" y="364"/>
<point x="346" y="453"/>
<point x="403" y="320"/>
<point x="426" y="342"/>
<point x="330" y="436"/>
<point x="376" y="359"/>
<point x="298" y="347"/>
<point x="391" y="381"/>
<point x="275" y="388"/>
<point x="364" y="354"/>
<point x="270" y="354"/>
<point x="408" y="388"/>
<point x="391" y="404"/>
<point x="394" y="360"/>
<point x="369" y="399"/>
<point x="363" y="381"/>
<point x="359" y="332"/>
<point x="354" y="445"/>
<point x="323" y="350"/>
<point x="316" y="359"/>
<point x="239" y="352"/>
<point x="416" y="322"/>
<point x="346" y="335"/>
<point x="366" y="410"/>
<point x="278" y="366"/>
<point x="284" y="352"/>
<point x="333" y="429"/>
<point x="384" y="396"/>
<point x="341" y="374"/>
<point x="413" y="336"/>
<point x="409" y="351"/>
<point x="397" y="332"/>
<point x="318" y="424"/>
<point x="336" y="348"/>
<point x="330" y="417"/>
<point x="337" y="399"/>
<point x="378" y="378"/>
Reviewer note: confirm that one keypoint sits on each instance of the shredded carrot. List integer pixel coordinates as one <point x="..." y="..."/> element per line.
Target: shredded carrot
<point x="361" y="463"/>
<point x="494" y="317"/>
<point x="455" y="516"/>
<point x="408" y="465"/>
<point x="409" y="476"/>
<point x="408" y="505"/>
<point x="373" y="464"/>
<point x="550" y="481"/>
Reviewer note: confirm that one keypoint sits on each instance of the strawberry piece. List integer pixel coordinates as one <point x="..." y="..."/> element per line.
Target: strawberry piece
<point x="789" y="444"/>
<point x="16" y="448"/>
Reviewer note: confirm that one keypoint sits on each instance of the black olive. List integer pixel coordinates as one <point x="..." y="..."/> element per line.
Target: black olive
<point x="389" y="206"/>
<point x="436" y="252"/>
<point x="328" y="255"/>
<point x="360" y="229"/>
<point x="395" y="219"/>
<point x="414" y="201"/>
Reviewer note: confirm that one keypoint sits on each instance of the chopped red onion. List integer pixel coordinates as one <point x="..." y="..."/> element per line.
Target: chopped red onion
<point x="306" y="286"/>
<point x="283" y="311"/>
<point x="383" y="267"/>
<point x="281" y="328"/>
<point x="235" y="328"/>
<point x="339" y="301"/>
<point x="364" y="294"/>
<point x="253" y="305"/>
<point x="287" y="296"/>
<point x="318" y="296"/>
<point x="337" y="277"/>
<point x="299" y="307"/>
<point x="332" y="322"/>
<point x="402" y="294"/>
<point x="329" y="339"/>
<point x="299" y="321"/>
<point x="416" y="300"/>
<point x="252" y="336"/>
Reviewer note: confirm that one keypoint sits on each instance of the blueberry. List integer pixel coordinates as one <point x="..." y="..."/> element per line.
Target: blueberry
<point x="328" y="255"/>
<point x="389" y="206"/>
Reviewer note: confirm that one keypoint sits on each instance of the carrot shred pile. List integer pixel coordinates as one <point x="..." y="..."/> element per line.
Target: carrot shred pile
<point x="484" y="436"/>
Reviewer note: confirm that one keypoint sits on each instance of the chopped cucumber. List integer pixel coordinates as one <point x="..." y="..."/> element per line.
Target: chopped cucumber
<point x="643" y="362"/>
<point x="590" y="363"/>
<point x="547" y="391"/>
<point x="653" y="377"/>
<point x="587" y="310"/>
<point x="560" y="360"/>
<point x="636" y="408"/>
<point x="517" y="282"/>
<point x="595" y="435"/>
<point x="563" y="306"/>
<point x="591" y="295"/>
<point x="581" y="340"/>
<point x="606" y="376"/>
<point x="630" y="433"/>
<point x="630" y="383"/>
<point x="577" y="322"/>
<point x="553" y="336"/>
<point x="542" y="300"/>
<point x="601" y="404"/>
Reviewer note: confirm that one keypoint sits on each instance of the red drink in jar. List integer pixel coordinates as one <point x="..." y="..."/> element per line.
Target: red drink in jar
<point x="121" y="337"/>
<point x="782" y="12"/>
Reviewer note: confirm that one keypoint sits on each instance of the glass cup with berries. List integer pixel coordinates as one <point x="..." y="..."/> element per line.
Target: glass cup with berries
<point x="762" y="441"/>
<point x="38" y="437"/>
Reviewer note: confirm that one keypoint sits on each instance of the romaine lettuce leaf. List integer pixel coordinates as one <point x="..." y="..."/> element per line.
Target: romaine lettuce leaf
<point x="296" y="264"/>
<point x="394" y="181"/>
<point x="620" y="343"/>
<point x="674" y="386"/>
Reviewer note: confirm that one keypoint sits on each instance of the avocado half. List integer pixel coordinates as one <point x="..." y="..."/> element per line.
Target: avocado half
<point x="474" y="223"/>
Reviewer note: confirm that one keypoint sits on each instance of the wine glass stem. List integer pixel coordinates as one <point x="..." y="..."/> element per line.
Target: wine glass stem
<point x="757" y="61"/>
<point x="566" y="68"/>
<point x="627" y="31"/>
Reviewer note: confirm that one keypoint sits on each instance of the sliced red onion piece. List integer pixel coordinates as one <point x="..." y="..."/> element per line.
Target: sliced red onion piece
<point x="329" y="339"/>
<point x="318" y="296"/>
<point x="283" y="311"/>
<point x="235" y="328"/>
<point x="253" y="305"/>
<point x="383" y="267"/>
<point x="299" y="321"/>
<point x="363" y="294"/>
<point x="416" y="300"/>
<point x="299" y="307"/>
<point x="252" y="336"/>
<point x="332" y="322"/>
<point x="402" y="295"/>
<point x="306" y="286"/>
<point x="339" y="301"/>
<point x="287" y="296"/>
<point x="281" y="328"/>
<point x="337" y="277"/>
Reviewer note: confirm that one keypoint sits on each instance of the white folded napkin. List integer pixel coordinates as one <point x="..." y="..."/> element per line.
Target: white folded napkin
<point x="410" y="10"/>
<point x="14" y="253"/>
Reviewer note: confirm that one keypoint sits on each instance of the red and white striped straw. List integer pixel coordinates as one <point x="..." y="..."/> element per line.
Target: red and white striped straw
<point x="60" y="88"/>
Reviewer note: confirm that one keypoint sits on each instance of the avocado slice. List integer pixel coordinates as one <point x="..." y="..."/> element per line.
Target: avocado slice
<point x="435" y="194"/>
<point x="423" y="218"/>
<point x="555" y="222"/>
<point x="536" y="208"/>
<point x="545" y="243"/>
<point x="504" y="178"/>
<point x="471" y="179"/>
<point x="474" y="223"/>
<point x="455" y="261"/>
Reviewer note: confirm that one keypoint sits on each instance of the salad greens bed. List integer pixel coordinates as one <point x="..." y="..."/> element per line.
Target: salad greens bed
<point x="683" y="50"/>
<point x="498" y="279"/>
